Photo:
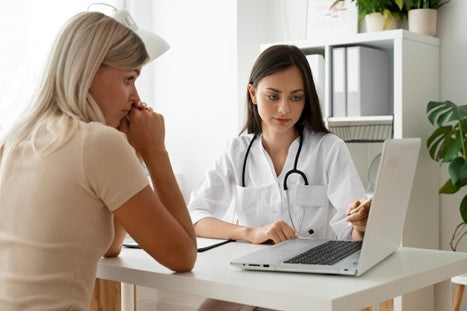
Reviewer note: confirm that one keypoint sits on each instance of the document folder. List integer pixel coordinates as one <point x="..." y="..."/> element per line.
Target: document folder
<point x="367" y="82"/>
<point x="339" y="85"/>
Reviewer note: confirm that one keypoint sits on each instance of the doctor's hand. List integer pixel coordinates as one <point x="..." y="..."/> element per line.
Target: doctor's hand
<point x="358" y="219"/>
<point x="145" y="131"/>
<point x="277" y="232"/>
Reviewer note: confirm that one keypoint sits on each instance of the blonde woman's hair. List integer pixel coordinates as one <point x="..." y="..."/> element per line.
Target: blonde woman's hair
<point x="87" y="41"/>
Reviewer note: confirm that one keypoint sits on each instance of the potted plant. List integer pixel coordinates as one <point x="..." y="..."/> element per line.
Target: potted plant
<point x="422" y="15"/>
<point x="379" y="14"/>
<point x="448" y="144"/>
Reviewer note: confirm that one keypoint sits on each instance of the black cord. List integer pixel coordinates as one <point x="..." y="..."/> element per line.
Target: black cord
<point x="244" y="160"/>
<point x="294" y="170"/>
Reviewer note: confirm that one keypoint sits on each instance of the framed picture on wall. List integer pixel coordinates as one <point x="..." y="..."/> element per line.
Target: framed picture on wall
<point x="327" y="18"/>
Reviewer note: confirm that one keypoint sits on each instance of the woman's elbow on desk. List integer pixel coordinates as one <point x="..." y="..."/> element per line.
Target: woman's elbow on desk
<point x="181" y="259"/>
<point x="112" y="252"/>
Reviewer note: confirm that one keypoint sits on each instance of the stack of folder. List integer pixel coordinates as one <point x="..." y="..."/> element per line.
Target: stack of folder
<point x="361" y="105"/>
<point x="360" y="80"/>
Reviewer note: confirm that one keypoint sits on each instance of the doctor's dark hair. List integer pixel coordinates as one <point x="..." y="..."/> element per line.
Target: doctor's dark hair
<point x="278" y="58"/>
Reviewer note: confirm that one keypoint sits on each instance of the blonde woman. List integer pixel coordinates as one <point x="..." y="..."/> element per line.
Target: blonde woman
<point x="71" y="183"/>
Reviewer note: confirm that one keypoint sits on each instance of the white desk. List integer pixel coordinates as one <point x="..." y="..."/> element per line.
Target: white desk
<point x="407" y="270"/>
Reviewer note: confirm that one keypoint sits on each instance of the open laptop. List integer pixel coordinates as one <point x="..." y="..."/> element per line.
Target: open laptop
<point x="383" y="231"/>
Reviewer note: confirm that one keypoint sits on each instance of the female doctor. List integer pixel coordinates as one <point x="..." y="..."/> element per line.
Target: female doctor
<point x="288" y="176"/>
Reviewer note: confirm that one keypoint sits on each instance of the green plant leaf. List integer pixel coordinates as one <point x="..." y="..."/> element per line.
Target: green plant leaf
<point x="439" y="142"/>
<point x="438" y="112"/>
<point x="463" y="111"/>
<point x="453" y="150"/>
<point x="387" y="18"/>
<point x="458" y="172"/>
<point x="463" y="209"/>
<point x="448" y="187"/>
<point x="400" y="4"/>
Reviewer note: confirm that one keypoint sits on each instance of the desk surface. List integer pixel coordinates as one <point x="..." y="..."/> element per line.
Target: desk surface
<point x="406" y="270"/>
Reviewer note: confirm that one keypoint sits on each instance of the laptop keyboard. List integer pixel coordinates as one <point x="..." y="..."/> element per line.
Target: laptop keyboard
<point x="327" y="253"/>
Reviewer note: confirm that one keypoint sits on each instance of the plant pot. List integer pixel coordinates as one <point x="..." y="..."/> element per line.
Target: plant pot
<point x="375" y="22"/>
<point x="423" y="21"/>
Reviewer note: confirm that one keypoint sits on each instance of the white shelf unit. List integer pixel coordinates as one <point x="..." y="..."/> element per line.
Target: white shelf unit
<point x="414" y="69"/>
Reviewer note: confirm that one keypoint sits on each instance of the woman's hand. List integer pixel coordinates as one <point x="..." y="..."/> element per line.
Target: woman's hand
<point x="277" y="232"/>
<point x="145" y="130"/>
<point x="358" y="219"/>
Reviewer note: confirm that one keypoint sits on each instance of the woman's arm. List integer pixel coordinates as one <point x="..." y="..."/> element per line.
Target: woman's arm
<point x="116" y="246"/>
<point x="157" y="231"/>
<point x="166" y="187"/>
<point x="276" y="232"/>
<point x="158" y="220"/>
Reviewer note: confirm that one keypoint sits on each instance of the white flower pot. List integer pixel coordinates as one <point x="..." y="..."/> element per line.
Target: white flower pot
<point x="423" y="21"/>
<point x="375" y="22"/>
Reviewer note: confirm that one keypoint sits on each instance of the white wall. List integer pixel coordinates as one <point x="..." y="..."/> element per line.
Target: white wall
<point x="452" y="31"/>
<point x="195" y="82"/>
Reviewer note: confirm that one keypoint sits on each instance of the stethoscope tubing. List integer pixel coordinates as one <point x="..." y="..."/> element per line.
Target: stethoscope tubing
<point x="292" y="171"/>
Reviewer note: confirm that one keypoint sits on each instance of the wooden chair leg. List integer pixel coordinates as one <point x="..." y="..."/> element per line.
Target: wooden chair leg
<point x="456" y="303"/>
<point x="387" y="305"/>
<point x="106" y="296"/>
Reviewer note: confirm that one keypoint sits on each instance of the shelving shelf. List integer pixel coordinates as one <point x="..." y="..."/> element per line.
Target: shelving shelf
<point x="362" y="129"/>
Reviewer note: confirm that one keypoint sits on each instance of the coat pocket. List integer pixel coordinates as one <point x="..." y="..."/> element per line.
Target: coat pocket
<point x="312" y="206"/>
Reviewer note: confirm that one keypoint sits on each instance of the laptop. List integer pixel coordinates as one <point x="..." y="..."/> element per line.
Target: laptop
<point x="383" y="231"/>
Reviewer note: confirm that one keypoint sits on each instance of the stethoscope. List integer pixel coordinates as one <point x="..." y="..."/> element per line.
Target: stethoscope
<point x="292" y="171"/>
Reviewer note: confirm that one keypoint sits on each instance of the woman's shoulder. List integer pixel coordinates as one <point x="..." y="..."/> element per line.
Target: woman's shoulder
<point x="98" y="134"/>
<point x="98" y="129"/>
<point x="322" y="139"/>
<point x="239" y="143"/>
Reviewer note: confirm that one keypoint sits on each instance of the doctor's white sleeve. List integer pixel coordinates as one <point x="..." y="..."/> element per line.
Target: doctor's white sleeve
<point x="344" y="187"/>
<point x="214" y="195"/>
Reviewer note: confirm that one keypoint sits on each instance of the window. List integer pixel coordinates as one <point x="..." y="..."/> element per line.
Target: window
<point x="27" y="31"/>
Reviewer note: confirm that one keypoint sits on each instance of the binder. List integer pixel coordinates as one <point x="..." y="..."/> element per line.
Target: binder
<point x="316" y="62"/>
<point x="339" y="85"/>
<point x="367" y="82"/>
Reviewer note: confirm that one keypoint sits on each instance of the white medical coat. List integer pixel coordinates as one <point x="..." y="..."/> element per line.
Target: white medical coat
<point x="321" y="206"/>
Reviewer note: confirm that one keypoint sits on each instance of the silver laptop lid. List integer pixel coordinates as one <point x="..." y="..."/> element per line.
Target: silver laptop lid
<point x="390" y="201"/>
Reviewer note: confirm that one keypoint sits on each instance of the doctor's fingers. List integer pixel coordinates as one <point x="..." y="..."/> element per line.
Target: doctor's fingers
<point x="359" y="224"/>
<point x="277" y="237"/>
<point x="353" y="205"/>
<point x="285" y="228"/>
<point x="285" y="233"/>
<point x="289" y="232"/>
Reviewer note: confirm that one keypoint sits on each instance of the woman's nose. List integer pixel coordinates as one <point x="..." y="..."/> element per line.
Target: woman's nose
<point x="283" y="106"/>
<point x="134" y="96"/>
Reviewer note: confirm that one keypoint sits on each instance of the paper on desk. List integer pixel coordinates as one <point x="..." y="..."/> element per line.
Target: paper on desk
<point x="206" y="242"/>
<point x="203" y="243"/>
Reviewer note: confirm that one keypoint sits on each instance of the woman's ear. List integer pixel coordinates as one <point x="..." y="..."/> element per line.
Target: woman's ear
<point x="252" y="92"/>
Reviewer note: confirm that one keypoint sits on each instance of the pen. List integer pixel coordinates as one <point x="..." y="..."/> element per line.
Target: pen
<point x="362" y="204"/>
